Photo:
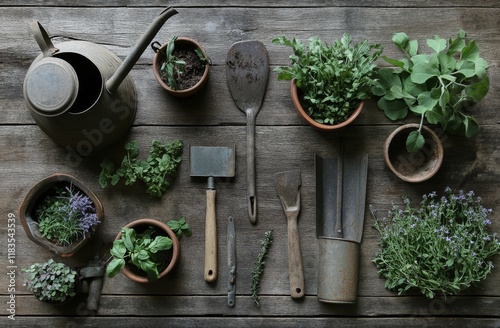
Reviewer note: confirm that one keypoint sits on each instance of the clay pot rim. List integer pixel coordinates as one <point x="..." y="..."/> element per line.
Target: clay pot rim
<point x="435" y="139"/>
<point x="31" y="199"/>
<point x="311" y="121"/>
<point x="175" y="248"/>
<point x="185" y="92"/>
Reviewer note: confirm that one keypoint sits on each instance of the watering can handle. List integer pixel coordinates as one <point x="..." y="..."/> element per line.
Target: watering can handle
<point x="43" y="40"/>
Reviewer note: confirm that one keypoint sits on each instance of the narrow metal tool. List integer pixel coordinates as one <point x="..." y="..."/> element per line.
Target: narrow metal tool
<point x="231" y="262"/>
<point x="247" y="71"/>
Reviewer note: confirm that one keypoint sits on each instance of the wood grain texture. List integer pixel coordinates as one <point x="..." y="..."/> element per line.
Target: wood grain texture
<point x="283" y="142"/>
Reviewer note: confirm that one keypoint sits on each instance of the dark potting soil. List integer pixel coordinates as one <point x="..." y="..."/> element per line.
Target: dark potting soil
<point x="193" y="70"/>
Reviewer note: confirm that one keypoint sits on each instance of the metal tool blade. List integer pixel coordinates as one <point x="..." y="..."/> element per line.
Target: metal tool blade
<point x="231" y="262"/>
<point x="207" y="161"/>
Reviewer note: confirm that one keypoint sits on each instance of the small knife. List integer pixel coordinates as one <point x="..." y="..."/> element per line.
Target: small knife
<point x="231" y="262"/>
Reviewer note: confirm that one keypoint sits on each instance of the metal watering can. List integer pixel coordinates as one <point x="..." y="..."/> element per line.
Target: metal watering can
<point x="79" y="93"/>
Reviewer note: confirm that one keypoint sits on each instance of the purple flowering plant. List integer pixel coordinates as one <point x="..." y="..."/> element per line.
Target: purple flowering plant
<point x="441" y="247"/>
<point x="66" y="216"/>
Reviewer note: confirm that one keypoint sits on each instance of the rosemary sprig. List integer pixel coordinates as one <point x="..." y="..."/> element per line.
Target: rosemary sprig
<point x="259" y="265"/>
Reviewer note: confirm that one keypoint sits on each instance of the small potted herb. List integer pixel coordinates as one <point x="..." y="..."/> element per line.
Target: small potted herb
<point x="180" y="66"/>
<point x="329" y="81"/>
<point x="439" y="248"/>
<point x="161" y="165"/>
<point x="146" y="250"/>
<point x="60" y="213"/>
<point x="52" y="282"/>
<point x="438" y="86"/>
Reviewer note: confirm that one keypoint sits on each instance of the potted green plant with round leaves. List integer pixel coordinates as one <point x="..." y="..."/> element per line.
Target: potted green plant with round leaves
<point x="52" y="282"/>
<point x="146" y="250"/>
<point x="438" y="87"/>
<point x="329" y="81"/>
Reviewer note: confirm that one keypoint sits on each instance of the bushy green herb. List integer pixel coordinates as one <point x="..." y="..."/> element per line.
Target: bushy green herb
<point x="66" y="215"/>
<point x="51" y="281"/>
<point x="162" y="163"/>
<point x="443" y="247"/>
<point x="258" y="269"/>
<point x="180" y="227"/>
<point x="142" y="250"/>
<point x="333" y="78"/>
<point x="437" y="86"/>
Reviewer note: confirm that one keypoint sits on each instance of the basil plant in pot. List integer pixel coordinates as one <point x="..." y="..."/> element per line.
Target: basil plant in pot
<point x="329" y="81"/>
<point x="438" y="86"/>
<point x="438" y="248"/>
<point x="146" y="250"/>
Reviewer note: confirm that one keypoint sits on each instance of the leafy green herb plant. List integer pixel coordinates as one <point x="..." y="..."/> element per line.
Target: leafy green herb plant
<point x="66" y="215"/>
<point x="441" y="247"/>
<point x="258" y="269"/>
<point x="333" y="78"/>
<point x="173" y="67"/>
<point x="439" y="86"/>
<point x="51" y="282"/>
<point x="144" y="250"/>
<point x="162" y="164"/>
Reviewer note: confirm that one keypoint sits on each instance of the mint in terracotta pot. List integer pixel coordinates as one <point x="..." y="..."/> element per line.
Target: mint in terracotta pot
<point x="333" y="79"/>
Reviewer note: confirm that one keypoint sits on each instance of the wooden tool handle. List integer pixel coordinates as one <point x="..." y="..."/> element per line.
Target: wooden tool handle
<point x="210" y="239"/>
<point x="295" y="258"/>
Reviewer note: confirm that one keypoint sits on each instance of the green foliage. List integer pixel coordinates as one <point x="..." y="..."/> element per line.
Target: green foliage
<point x="142" y="249"/>
<point x="180" y="227"/>
<point x="51" y="281"/>
<point x="443" y="247"/>
<point x="162" y="163"/>
<point x="172" y="65"/>
<point x="437" y="86"/>
<point x="333" y="78"/>
<point x="258" y="269"/>
<point x="65" y="215"/>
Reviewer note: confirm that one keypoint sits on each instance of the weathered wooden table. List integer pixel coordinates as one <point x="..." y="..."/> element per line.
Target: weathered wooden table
<point x="284" y="142"/>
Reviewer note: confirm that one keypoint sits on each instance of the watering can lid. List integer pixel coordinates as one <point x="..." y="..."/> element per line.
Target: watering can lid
<point x="51" y="86"/>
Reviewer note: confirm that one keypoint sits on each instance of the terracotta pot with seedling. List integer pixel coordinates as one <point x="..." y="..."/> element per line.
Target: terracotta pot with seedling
<point x="146" y="250"/>
<point x="180" y="66"/>
<point x="439" y="87"/>
<point x="329" y="81"/>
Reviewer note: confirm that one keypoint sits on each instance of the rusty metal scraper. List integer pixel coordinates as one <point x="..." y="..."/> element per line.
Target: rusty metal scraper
<point x="211" y="162"/>
<point x="287" y="186"/>
<point x="247" y="71"/>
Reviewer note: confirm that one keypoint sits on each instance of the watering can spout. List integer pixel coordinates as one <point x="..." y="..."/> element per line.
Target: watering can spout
<point x="114" y="81"/>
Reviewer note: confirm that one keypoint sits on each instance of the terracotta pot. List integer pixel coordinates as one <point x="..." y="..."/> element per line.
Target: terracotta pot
<point x="417" y="166"/>
<point x="30" y="203"/>
<point x="175" y="248"/>
<point x="323" y="127"/>
<point x="181" y="42"/>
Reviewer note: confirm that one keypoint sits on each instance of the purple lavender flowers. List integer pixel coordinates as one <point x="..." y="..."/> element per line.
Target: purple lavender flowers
<point x="66" y="215"/>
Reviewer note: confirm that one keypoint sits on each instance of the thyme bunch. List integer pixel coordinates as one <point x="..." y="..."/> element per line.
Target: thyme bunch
<point x="259" y="265"/>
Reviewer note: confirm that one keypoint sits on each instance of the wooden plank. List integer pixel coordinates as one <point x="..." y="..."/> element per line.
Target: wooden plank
<point x="277" y="306"/>
<point x="25" y="149"/>
<point x="111" y="27"/>
<point x="255" y="3"/>
<point x="196" y="322"/>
